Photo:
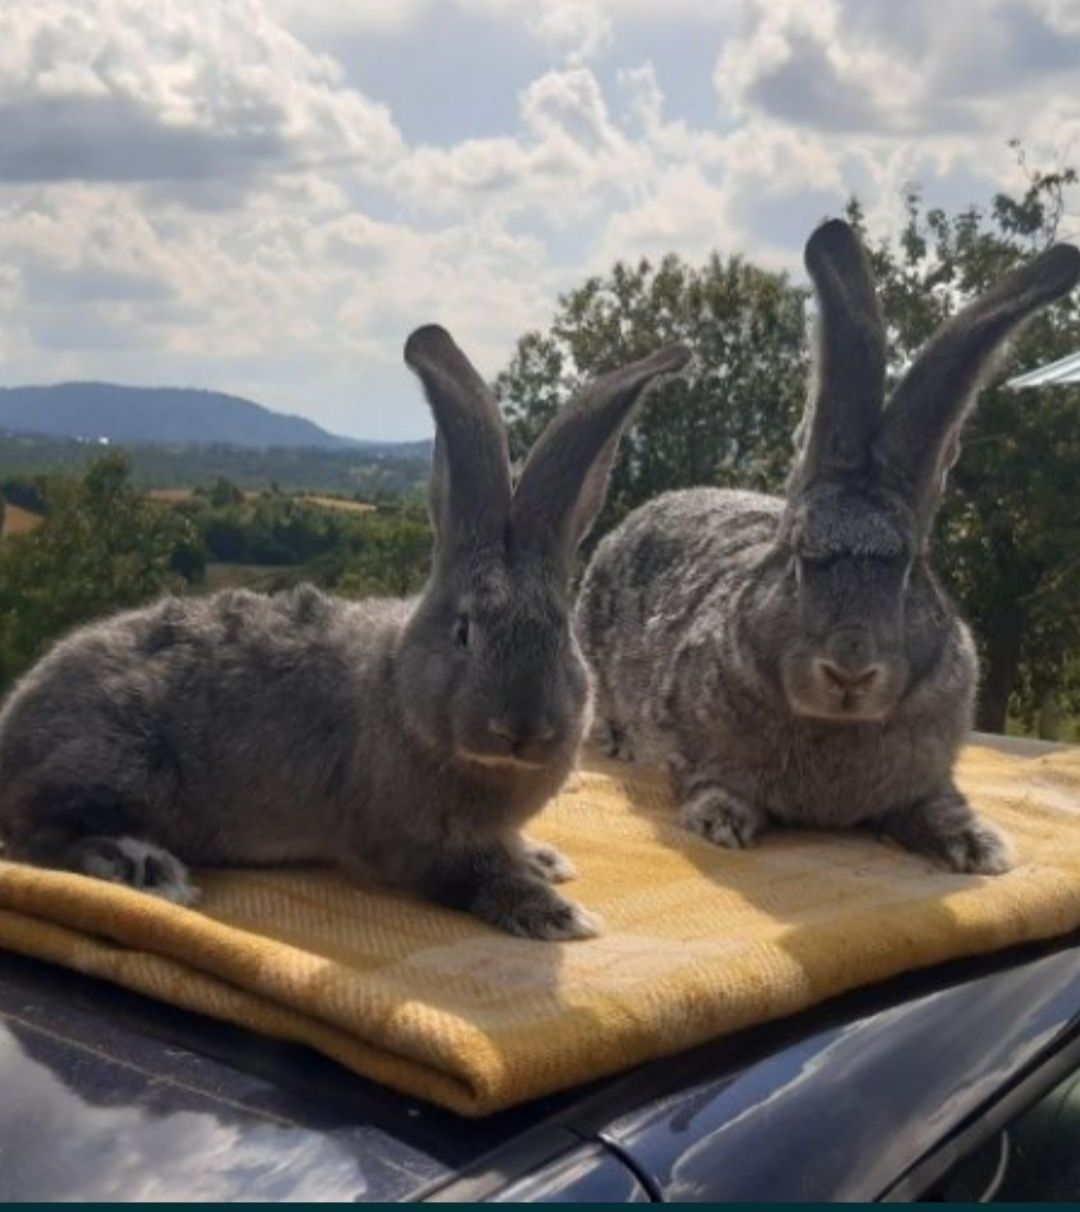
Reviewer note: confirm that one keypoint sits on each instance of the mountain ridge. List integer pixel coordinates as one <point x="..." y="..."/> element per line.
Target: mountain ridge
<point x="92" y="410"/>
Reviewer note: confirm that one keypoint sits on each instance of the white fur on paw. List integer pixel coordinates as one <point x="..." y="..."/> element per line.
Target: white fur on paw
<point x="586" y="923"/>
<point x="548" y="863"/>
<point x="579" y="924"/>
<point x="553" y="920"/>
<point x="980" y="849"/>
<point x="721" y="818"/>
<point x="144" y="866"/>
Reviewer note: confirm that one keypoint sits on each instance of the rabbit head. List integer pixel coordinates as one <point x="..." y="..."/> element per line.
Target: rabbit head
<point x="852" y="616"/>
<point x="493" y="674"/>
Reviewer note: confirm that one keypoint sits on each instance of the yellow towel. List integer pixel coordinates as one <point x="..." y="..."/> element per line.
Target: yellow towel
<point x="699" y="941"/>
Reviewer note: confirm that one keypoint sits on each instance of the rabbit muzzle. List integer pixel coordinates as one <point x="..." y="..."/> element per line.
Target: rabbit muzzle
<point x="847" y="679"/>
<point x="532" y="745"/>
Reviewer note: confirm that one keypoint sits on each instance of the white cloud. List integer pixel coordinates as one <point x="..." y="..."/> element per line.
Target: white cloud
<point x="569" y="158"/>
<point x="575" y="28"/>
<point x="192" y="193"/>
<point x="919" y="68"/>
<point x="327" y="19"/>
<point x="807" y="66"/>
<point x="1063" y="15"/>
<point x="125" y="91"/>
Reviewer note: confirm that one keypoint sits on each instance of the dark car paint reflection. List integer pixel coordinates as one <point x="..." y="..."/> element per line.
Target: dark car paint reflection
<point x="587" y="1175"/>
<point x="840" y="1115"/>
<point x="103" y="1132"/>
<point x="304" y="1127"/>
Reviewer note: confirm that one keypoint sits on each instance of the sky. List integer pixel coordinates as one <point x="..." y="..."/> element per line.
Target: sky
<point x="266" y="196"/>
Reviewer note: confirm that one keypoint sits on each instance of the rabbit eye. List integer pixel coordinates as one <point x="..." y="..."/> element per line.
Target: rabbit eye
<point x="461" y="631"/>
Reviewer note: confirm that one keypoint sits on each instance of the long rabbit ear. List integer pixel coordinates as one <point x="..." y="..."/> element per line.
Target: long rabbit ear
<point x="470" y="479"/>
<point x="844" y="409"/>
<point x="565" y="479"/>
<point x="919" y="437"/>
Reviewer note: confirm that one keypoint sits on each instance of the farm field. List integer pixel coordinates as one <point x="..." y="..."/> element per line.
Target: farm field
<point x="346" y="506"/>
<point x="173" y="496"/>
<point x="19" y="521"/>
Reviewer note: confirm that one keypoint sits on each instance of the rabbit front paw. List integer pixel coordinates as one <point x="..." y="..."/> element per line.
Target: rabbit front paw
<point x="944" y="828"/>
<point x="547" y="862"/>
<point x="978" y="849"/>
<point x="533" y="910"/>
<point x="499" y="885"/>
<point x="140" y="865"/>
<point x="723" y="818"/>
<point x="550" y="917"/>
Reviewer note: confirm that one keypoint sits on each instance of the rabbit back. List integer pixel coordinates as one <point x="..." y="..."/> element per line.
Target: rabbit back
<point x="226" y="728"/>
<point x="657" y="587"/>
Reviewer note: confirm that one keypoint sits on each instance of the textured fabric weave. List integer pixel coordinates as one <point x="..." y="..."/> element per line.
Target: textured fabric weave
<point x="699" y="941"/>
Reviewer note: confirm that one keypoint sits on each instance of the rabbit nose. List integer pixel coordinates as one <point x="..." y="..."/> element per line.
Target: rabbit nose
<point x="524" y="740"/>
<point x="848" y="679"/>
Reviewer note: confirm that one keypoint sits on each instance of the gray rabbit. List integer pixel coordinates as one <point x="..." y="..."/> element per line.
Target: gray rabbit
<point x="407" y="741"/>
<point x="795" y="661"/>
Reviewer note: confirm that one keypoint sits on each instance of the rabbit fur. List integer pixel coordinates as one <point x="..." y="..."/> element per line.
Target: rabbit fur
<point x="403" y="741"/>
<point x="795" y="660"/>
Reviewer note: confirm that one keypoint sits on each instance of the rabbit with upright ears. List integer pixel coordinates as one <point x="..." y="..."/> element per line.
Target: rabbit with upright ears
<point x="795" y="661"/>
<point x="407" y="741"/>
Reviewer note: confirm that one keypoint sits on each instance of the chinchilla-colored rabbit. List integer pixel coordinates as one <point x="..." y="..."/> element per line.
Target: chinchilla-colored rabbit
<point x="404" y="740"/>
<point x="795" y="661"/>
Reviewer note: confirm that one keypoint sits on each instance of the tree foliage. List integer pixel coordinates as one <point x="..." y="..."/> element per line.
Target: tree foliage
<point x="101" y="547"/>
<point x="727" y="420"/>
<point x="1008" y="537"/>
<point x="105" y="546"/>
<point x="391" y="554"/>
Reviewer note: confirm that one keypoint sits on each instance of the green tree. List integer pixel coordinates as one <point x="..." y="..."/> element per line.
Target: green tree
<point x="101" y="547"/>
<point x="1009" y="533"/>
<point x="390" y="553"/>
<point x="224" y="492"/>
<point x="727" y="420"/>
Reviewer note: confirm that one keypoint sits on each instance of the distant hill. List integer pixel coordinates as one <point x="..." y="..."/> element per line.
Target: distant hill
<point x="162" y="415"/>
